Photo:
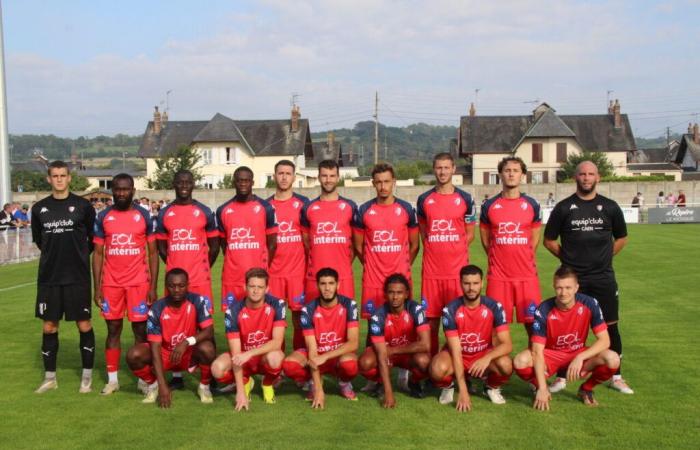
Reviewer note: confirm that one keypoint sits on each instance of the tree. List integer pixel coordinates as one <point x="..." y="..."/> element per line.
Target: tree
<point x="184" y="158"/>
<point x="29" y="181"/>
<point x="226" y="183"/>
<point x="605" y="167"/>
<point x="78" y="182"/>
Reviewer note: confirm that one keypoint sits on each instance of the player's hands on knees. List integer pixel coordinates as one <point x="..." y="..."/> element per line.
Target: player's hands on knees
<point x="164" y="396"/>
<point x="479" y="367"/>
<point x="389" y="401"/>
<point x="319" y="401"/>
<point x="178" y="351"/>
<point x="573" y="373"/>
<point x="98" y="298"/>
<point x="542" y="398"/>
<point x="151" y="297"/>
<point x="240" y="359"/>
<point x="464" y="403"/>
<point x="316" y="361"/>
<point x="242" y="401"/>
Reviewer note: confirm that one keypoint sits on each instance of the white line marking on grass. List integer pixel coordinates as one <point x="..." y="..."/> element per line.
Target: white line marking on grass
<point x="17" y="286"/>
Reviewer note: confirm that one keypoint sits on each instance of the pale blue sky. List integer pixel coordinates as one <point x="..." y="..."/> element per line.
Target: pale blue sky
<point x="98" y="67"/>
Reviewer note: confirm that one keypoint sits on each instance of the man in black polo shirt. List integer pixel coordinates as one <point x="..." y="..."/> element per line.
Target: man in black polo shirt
<point x="62" y="228"/>
<point x="592" y="230"/>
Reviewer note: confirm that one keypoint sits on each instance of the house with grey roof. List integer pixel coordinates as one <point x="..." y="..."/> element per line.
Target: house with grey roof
<point x="688" y="153"/>
<point x="655" y="161"/>
<point x="543" y="140"/>
<point x="225" y="144"/>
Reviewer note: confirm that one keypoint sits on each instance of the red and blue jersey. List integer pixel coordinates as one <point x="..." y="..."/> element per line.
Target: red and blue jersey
<point x="397" y="330"/>
<point x="290" y="256"/>
<point x="124" y="235"/>
<point x="567" y="331"/>
<point x="474" y="326"/>
<point x="510" y="223"/>
<point x="445" y="247"/>
<point x="186" y="229"/>
<point x="170" y="325"/>
<point x="329" y="325"/>
<point x="386" y="229"/>
<point x="329" y="224"/>
<point x="244" y="226"/>
<point x="253" y="326"/>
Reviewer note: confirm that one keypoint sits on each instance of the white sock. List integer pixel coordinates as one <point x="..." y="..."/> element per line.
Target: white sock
<point x="49" y="375"/>
<point x="616" y="377"/>
<point x="153" y="385"/>
<point x="113" y="377"/>
<point x="177" y="374"/>
<point x="87" y="373"/>
<point x="203" y="386"/>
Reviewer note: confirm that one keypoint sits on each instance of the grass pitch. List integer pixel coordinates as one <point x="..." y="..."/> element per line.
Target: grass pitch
<point x="658" y="274"/>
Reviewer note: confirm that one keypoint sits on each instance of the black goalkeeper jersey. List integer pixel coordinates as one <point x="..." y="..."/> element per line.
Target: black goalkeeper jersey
<point x="587" y="229"/>
<point x="63" y="229"/>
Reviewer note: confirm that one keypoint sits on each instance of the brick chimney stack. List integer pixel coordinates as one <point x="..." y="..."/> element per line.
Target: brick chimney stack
<point x="331" y="140"/>
<point x="296" y="115"/>
<point x="618" y="116"/>
<point x="156" y="122"/>
<point x="611" y="108"/>
<point x="164" y="119"/>
<point x="472" y="110"/>
<point x="696" y="133"/>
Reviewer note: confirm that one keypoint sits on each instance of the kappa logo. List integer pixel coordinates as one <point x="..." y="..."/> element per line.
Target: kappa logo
<point x="573" y="206"/>
<point x="372" y="212"/>
<point x="315" y="208"/>
<point x="554" y="317"/>
<point x="318" y="316"/>
<point x="389" y="323"/>
<point x="431" y="201"/>
<point x="171" y="214"/>
<point x="460" y="315"/>
<point x="110" y="219"/>
<point x="43" y="210"/>
<point x="228" y="211"/>
<point x="245" y="316"/>
<point x="166" y="317"/>
<point x="498" y="206"/>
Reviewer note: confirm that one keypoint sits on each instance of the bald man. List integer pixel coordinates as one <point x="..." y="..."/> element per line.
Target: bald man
<point x="585" y="231"/>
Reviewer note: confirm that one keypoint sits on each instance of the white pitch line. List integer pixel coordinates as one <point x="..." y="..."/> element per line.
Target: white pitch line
<point x="17" y="286"/>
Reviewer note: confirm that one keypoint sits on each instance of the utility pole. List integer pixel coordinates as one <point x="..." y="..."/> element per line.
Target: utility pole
<point x="376" y="127"/>
<point x="668" y="137"/>
<point x="610" y="91"/>
<point x="5" y="188"/>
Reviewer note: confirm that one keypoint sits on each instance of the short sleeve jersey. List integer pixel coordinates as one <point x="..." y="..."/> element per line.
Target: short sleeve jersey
<point x="244" y="226"/>
<point x="63" y="230"/>
<point x="386" y="229"/>
<point x="329" y="225"/>
<point x="510" y="224"/>
<point x="186" y="229"/>
<point x="443" y="216"/>
<point x="290" y="256"/>
<point x="329" y="325"/>
<point x="474" y="326"/>
<point x="254" y="326"/>
<point x="170" y="325"/>
<point x="124" y="235"/>
<point x="397" y="330"/>
<point x="567" y="331"/>
<point x="587" y="229"/>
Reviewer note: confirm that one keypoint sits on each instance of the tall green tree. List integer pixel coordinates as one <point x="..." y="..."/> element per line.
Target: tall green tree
<point x="605" y="167"/>
<point x="78" y="182"/>
<point x="184" y="158"/>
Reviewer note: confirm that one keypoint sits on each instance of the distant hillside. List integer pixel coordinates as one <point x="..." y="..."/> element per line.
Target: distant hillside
<point x="54" y="147"/>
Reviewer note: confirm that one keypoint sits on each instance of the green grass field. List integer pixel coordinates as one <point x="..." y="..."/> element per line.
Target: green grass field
<point x="658" y="273"/>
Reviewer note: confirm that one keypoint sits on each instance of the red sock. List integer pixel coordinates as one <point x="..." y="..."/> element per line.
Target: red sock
<point x="298" y="339"/>
<point x="371" y="374"/>
<point x="495" y="380"/>
<point x="417" y="375"/>
<point x="347" y="370"/>
<point x="295" y="371"/>
<point x="600" y="374"/>
<point x="270" y="374"/>
<point x="112" y="357"/>
<point x="443" y="382"/>
<point x="228" y="378"/>
<point x="205" y="374"/>
<point x="527" y="374"/>
<point x="146" y="374"/>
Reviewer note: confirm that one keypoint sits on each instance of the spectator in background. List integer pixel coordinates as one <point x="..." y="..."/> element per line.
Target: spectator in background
<point x="6" y="220"/>
<point x="551" y="201"/>
<point x="99" y="206"/>
<point x="660" y="200"/>
<point x="486" y="197"/>
<point x="671" y="199"/>
<point x="638" y="200"/>
<point x="155" y="207"/>
<point x="109" y="202"/>
<point x="145" y="203"/>
<point x="20" y="216"/>
<point x="680" y="202"/>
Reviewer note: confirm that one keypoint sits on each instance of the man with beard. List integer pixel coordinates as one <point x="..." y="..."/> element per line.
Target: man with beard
<point x="592" y="230"/>
<point x="332" y="333"/>
<point x="188" y="239"/>
<point x="124" y="271"/>
<point x="248" y="233"/>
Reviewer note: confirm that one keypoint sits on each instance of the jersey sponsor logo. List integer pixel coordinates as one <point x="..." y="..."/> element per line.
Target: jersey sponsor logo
<point x="383" y="241"/>
<point x="328" y="341"/>
<point x="287" y="233"/>
<point x="327" y="233"/>
<point x="58" y="226"/>
<point x="177" y="338"/>
<point x="256" y="339"/>
<point x="182" y="240"/>
<point x="509" y="233"/>
<point x="443" y="230"/>
<point x="472" y="342"/>
<point x="571" y="341"/>
<point x="121" y="243"/>
<point x="587" y="224"/>
<point x="399" y="341"/>
<point x="242" y="238"/>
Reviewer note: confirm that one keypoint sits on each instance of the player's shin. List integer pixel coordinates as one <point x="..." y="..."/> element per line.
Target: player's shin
<point x="600" y="374"/>
<point x="87" y="348"/>
<point x="49" y="352"/>
<point x="527" y="374"/>
<point x="146" y="374"/>
<point x="496" y="380"/>
<point x="205" y="374"/>
<point x="271" y="374"/>
<point x="295" y="371"/>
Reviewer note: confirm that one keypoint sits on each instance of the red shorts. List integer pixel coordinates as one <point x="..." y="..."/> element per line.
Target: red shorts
<point x="185" y="361"/>
<point x="468" y="358"/>
<point x="372" y="299"/>
<point x="289" y="289"/>
<point x="557" y="359"/>
<point x="346" y="287"/>
<point x="403" y="361"/>
<point x="438" y="293"/>
<point x="232" y="292"/>
<point x="254" y="366"/>
<point x="120" y="299"/>
<point x="524" y="295"/>
<point x="203" y="290"/>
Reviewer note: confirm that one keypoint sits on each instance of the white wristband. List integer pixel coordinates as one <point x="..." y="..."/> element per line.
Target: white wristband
<point x="191" y="340"/>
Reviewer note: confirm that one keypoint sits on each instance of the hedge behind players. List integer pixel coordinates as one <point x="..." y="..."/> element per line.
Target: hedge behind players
<point x="62" y="228"/>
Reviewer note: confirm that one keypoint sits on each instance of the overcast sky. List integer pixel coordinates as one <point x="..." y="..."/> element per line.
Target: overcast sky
<point x="98" y="67"/>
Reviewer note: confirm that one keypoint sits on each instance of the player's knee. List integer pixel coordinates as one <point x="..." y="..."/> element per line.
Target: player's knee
<point x="138" y="356"/>
<point x="523" y="360"/>
<point x="84" y="325"/>
<point x="504" y="365"/>
<point x="438" y="367"/>
<point x="612" y="359"/>
<point x="50" y="327"/>
<point x="293" y="369"/>
<point x="367" y="362"/>
<point x="274" y="359"/>
<point x="221" y="365"/>
<point x="205" y="352"/>
<point x="421" y="361"/>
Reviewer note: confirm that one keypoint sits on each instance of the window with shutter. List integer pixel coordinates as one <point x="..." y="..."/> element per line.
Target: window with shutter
<point x="561" y="152"/>
<point x="536" y="152"/>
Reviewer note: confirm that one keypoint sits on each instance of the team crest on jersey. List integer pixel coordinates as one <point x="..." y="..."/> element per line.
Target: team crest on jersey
<point x="71" y="208"/>
<point x="406" y="318"/>
<point x="484" y="314"/>
<point x="195" y="213"/>
<point x="458" y="201"/>
<point x="342" y="206"/>
<point x="267" y="310"/>
<point x="599" y="207"/>
<point x="580" y="310"/>
<point x="256" y="209"/>
<point x="523" y="206"/>
<point x="398" y="211"/>
<point x="137" y="217"/>
<point x="296" y="205"/>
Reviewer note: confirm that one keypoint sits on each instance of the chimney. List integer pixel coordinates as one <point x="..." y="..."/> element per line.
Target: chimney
<point x="472" y="110"/>
<point x="331" y="140"/>
<point x="611" y="109"/>
<point x="164" y="119"/>
<point x="296" y="114"/>
<point x="616" y="112"/>
<point x="696" y="133"/>
<point x="156" y="122"/>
